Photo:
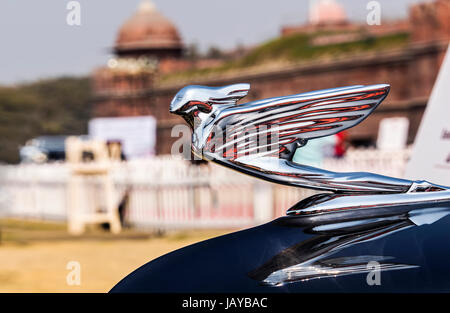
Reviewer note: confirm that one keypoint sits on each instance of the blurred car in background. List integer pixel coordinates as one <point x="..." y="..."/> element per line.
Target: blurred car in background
<point x="43" y="149"/>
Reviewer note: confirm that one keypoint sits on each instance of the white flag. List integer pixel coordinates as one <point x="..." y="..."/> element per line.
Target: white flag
<point x="430" y="159"/>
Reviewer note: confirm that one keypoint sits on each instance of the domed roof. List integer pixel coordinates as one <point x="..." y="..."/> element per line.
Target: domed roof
<point x="327" y="12"/>
<point x="147" y="29"/>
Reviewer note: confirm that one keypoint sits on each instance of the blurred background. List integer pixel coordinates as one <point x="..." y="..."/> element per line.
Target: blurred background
<point x="89" y="183"/>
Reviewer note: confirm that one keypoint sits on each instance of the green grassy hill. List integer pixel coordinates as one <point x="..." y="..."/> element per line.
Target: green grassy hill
<point x="48" y="107"/>
<point x="295" y="48"/>
<point x="298" y="47"/>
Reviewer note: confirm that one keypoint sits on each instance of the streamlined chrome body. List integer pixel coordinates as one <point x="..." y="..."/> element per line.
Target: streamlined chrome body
<point x="260" y="137"/>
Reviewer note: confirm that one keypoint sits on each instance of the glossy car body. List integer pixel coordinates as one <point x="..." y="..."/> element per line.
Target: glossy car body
<point x="411" y="244"/>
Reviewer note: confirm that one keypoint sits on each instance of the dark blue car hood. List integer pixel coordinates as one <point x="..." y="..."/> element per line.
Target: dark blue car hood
<point x="409" y="246"/>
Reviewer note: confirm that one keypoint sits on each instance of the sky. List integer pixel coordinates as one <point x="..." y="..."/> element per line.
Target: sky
<point x="36" y="41"/>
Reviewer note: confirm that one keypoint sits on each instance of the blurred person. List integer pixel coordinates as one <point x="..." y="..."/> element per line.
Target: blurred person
<point x="341" y="144"/>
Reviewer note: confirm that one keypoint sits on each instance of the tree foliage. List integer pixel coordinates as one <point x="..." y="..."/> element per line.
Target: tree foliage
<point x="59" y="106"/>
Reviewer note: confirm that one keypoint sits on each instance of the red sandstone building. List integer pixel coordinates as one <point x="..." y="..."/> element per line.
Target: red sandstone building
<point x="148" y="46"/>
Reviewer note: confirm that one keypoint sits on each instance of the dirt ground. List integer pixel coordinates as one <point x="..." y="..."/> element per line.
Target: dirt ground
<point x="34" y="256"/>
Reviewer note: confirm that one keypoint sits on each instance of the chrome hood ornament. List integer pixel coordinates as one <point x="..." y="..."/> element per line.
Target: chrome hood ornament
<point x="260" y="137"/>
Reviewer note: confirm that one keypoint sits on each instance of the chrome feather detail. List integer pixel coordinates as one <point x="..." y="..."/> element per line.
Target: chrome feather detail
<point x="260" y="137"/>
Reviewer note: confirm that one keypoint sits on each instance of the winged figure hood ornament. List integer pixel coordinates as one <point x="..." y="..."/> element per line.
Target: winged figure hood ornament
<point x="259" y="138"/>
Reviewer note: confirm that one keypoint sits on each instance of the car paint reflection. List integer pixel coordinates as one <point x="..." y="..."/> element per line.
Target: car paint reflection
<point x="312" y="258"/>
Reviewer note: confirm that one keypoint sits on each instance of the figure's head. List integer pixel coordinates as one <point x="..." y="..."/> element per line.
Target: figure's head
<point x="202" y="98"/>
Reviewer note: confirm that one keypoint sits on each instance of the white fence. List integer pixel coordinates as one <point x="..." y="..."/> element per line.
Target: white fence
<point x="390" y="163"/>
<point x="167" y="192"/>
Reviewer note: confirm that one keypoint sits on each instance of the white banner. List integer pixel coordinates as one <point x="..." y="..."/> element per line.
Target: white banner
<point x="137" y="134"/>
<point x="430" y="159"/>
<point x="393" y="133"/>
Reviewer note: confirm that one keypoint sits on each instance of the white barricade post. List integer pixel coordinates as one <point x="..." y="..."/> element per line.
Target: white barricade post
<point x="79" y="214"/>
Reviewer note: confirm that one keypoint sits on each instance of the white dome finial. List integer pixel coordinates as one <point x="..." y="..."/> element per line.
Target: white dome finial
<point x="147" y="5"/>
<point x="326" y="12"/>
